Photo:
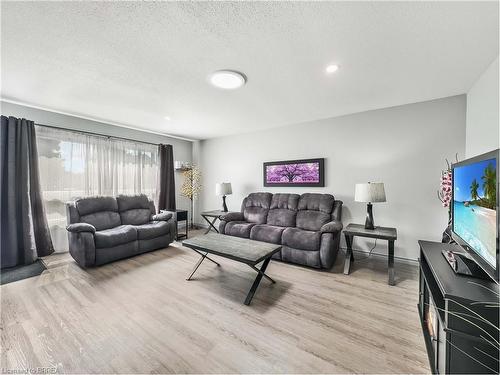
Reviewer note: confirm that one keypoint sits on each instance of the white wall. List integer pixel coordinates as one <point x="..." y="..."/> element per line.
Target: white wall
<point x="483" y="126"/>
<point x="404" y="146"/>
<point x="182" y="148"/>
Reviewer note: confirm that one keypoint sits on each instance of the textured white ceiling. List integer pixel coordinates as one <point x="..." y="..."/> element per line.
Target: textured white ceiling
<point x="135" y="63"/>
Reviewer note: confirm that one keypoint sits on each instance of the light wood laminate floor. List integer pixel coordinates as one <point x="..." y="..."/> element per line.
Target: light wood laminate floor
<point x="140" y="315"/>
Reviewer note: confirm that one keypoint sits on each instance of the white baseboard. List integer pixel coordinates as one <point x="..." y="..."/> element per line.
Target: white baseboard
<point x="410" y="261"/>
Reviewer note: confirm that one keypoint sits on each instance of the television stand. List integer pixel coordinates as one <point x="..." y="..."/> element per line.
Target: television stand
<point x="461" y="264"/>
<point x="459" y="315"/>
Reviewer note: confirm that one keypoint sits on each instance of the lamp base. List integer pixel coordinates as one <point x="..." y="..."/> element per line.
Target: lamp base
<point x="369" y="223"/>
<point x="224" y="206"/>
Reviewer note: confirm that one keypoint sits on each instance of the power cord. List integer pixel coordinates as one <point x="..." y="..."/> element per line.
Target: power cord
<point x="369" y="252"/>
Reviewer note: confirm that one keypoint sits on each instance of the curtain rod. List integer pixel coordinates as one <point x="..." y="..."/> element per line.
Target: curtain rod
<point x="96" y="134"/>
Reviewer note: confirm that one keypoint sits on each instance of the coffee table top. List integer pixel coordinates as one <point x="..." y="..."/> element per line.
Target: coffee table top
<point x="236" y="248"/>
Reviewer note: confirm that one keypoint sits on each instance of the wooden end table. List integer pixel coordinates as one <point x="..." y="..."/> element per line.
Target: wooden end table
<point x="211" y="217"/>
<point x="180" y="215"/>
<point x="382" y="233"/>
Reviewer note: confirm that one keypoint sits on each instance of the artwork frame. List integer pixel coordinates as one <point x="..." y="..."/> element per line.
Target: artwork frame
<point x="315" y="182"/>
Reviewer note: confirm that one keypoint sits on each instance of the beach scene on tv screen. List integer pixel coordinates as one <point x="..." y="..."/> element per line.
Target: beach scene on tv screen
<point x="474" y="207"/>
<point x="300" y="173"/>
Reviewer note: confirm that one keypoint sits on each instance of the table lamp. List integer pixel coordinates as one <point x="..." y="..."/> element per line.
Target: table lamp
<point x="371" y="192"/>
<point x="223" y="189"/>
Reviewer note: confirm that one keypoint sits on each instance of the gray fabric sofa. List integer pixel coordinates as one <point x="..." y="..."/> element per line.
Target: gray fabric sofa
<point x="308" y="225"/>
<point x="104" y="229"/>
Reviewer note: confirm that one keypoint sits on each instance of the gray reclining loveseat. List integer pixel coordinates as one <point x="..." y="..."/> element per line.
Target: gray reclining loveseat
<point x="308" y="225"/>
<point x="104" y="229"/>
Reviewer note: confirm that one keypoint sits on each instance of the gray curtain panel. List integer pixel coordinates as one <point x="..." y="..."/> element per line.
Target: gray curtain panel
<point x="166" y="182"/>
<point x="24" y="231"/>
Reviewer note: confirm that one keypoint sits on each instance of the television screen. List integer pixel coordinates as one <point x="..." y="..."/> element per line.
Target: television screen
<point x="474" y="207"/>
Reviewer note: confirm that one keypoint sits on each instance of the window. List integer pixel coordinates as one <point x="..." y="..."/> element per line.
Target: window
<point x="74" y="164"/>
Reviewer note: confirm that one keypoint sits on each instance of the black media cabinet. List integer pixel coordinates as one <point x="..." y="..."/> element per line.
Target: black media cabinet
<point x="459" y="316"/>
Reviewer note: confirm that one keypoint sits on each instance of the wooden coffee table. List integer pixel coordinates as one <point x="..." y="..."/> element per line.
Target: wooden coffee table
<point x="238" y="249"/>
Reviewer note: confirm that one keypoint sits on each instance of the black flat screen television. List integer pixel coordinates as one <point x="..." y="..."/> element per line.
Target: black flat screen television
<point x="475" y="214"/>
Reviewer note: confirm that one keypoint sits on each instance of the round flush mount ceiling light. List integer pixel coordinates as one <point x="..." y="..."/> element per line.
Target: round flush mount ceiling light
<point x="167" y="118"/>
<point x="227" y="79"/>
<point x="332" y="68"/>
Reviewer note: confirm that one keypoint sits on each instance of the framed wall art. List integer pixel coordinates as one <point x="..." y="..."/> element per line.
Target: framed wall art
<point x="305" y="172"/>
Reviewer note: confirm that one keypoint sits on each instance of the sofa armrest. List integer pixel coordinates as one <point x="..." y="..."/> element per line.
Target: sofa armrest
<point x="330" y="242"/>
<point x="82" y="248"/>
<point x="232" y="216"/>
<point x="80" y="227"/>
<point x="332" y="227"/>
<point x="162" y="216"/>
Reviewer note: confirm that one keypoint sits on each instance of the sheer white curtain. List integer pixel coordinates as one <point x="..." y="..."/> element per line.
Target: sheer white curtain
<point x="76" y="164"/>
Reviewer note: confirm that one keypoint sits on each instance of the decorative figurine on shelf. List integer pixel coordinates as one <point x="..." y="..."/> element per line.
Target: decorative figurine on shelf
<point x="191" y="187"/>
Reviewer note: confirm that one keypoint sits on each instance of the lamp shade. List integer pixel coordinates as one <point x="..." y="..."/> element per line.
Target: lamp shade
<point x="370" y="192"/>
<point x="224" y="188"/>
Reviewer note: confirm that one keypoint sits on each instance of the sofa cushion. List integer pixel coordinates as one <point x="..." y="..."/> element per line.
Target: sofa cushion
<point x="258" y="200"/>
<point x="90" y="205"/>
<point x="134" y="209"/>
<point x="101" y="212"/>
<point x="115" y="236"/>
<point x="152" y="230"/>
<point x="102" y="220"/>
<point x="238" y="228"/>
<point x="266" y="233"/>
<point x="314" y="210"/>
<point x="283" y="210"/>
<point x="106" y="255"/>
<point x="306" y="258"/>
<point x="301" y="239"/>
<point x="312" y="220"/>
<point x="128" y="202"/>
<point x="154" y="243"/>
<point x="287" y="201"/>
<point x="256" y="206"/>
<point x="282" y="217"/>
<point x="257" y="215"/>
<point x="136" y="216"/>
<point x="316" y="202"/>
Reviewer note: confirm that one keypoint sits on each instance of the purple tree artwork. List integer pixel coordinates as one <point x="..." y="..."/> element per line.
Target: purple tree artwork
<point x="294" y="173"/>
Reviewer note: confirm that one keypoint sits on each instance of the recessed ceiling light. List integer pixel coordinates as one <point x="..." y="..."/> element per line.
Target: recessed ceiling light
<point x="167" y="118"/>
<point x="227" y="79"/>
<point x="332" y="68"/>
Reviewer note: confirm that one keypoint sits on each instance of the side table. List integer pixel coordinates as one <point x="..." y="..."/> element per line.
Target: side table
<point x="382" y="233"/>
<point x="211" y="217"/>
<point x="180" y="215"/>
